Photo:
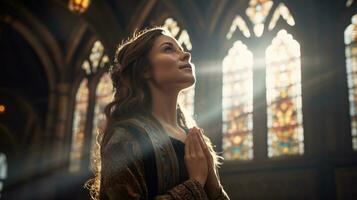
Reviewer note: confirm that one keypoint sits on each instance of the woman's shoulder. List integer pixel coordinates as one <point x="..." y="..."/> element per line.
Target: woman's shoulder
<point x="121" y="143"/>
<point x="118" y="134"/>
<point x="124" y="132"/>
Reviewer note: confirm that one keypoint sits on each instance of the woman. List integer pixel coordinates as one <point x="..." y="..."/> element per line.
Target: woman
<point x="147" y="150"/>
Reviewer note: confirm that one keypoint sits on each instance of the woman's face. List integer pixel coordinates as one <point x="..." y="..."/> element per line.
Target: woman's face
<point x="170" y="65"/>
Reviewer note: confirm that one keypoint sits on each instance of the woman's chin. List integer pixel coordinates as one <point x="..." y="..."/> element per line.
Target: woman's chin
<point x="189" y="83"/>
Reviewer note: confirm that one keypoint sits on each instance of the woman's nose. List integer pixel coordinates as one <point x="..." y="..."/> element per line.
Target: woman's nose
<point x="186" y="56"/>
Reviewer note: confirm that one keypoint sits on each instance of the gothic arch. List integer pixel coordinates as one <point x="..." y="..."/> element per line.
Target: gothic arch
<point x="46" y="61"/>
<point x="25" y="20"/>
<point x="74" y="41"/>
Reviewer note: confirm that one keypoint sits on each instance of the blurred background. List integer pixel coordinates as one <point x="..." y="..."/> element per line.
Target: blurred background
<point x="276" y="91"/>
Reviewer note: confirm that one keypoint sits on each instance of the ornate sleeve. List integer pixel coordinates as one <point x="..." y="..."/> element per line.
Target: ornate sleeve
<point x="222" y="195"/>
<point x="123" y="177"/>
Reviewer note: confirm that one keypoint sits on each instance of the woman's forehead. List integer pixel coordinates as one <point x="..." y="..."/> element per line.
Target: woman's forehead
<point x="166" y="39"/>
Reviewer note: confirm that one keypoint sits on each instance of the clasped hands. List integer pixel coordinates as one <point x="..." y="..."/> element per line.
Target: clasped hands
<point x="199" y="160"/>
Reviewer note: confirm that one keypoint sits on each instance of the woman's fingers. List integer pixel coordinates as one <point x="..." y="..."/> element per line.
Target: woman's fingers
<point x="205" y="148"/>
<point x="195" y="160"/>
<point x="198" y="142"/>
<point x="187" y="145"/>
<point x="195" y="143"/>
<point x="192" y="144"/>
<point x="202" y="141"/>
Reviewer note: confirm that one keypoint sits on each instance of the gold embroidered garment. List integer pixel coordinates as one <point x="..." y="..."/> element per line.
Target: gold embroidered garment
<point x="139" y="161"/>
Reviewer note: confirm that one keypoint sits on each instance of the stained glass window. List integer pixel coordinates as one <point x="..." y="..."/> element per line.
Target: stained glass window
<point x="257" y="12"/>
<point x="283" y="84"/>
<point x="79" y="121"/>
<point x="240" y="23"/>
<point x="186" y="96"/>
<point x="237" y="103"/>
<point x="97" y="58"/>
<point x="3" y="171"/>
<point x="284" y="106"/>
<point x="104" y="95"/>
<point x="284" y="12"/>
<point x="351" y="65"/>
<point x="180" y="34"/>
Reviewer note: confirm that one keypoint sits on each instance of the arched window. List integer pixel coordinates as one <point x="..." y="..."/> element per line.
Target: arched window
<point x="187" y="96"/>
<point x="180" y="34"/>
<point x="90" y="66"/>
<point x="237" y="103"/>
<point x="104" y="95"/>
<point x="351" y="65"/>
<point x="97" y="59"/>
<point x="79" y="123"/>
<point x="283" y="83"/>
<point x="257" y="12"/>
<point x="3" y="171"/>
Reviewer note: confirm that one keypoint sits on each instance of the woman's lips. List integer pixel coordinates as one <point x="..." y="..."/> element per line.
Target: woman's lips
<point x="186" y="66"/>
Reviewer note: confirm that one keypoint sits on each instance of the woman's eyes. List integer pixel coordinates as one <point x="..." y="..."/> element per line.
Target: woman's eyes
<point x="168" y="49"/>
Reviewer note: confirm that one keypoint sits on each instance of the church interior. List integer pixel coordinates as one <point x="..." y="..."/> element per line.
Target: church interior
<point x="275" y="91"/>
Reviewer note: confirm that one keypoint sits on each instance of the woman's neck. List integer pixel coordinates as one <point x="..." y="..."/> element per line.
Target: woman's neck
<point x="164" y="106"/>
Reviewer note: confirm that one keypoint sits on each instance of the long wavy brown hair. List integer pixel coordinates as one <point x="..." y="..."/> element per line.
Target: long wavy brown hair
<point x="132" y="95"/>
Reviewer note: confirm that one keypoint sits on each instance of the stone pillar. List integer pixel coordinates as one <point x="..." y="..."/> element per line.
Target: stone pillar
<point x="61" y="143"/>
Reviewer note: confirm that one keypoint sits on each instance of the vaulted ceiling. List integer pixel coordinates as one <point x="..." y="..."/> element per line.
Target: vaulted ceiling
<point x="113" y="19"/>
<point x="43" y="42"/>
<point x="65" y="37"/>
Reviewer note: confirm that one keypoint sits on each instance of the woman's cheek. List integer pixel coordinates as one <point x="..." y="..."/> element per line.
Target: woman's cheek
<point x="165" y="66"/>
<point x="167" y="63"/>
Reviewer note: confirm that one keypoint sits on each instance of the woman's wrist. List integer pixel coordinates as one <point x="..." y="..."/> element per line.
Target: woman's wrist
<point x="202" y="183"/>
<point x="213" y="184"/>
<point x="213" y="191"/>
